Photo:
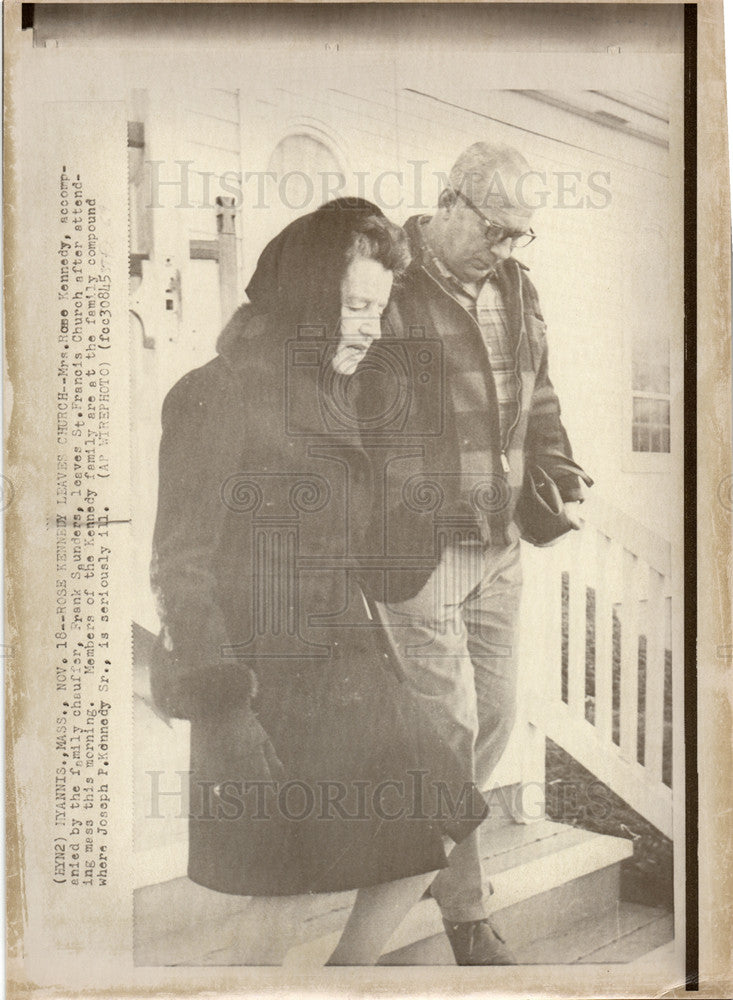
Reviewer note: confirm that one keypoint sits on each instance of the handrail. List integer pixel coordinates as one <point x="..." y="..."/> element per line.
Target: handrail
<point x="631" y="534"/>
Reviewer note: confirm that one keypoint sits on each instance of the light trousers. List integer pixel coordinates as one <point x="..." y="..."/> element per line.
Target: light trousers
<point x="456" y="644"/>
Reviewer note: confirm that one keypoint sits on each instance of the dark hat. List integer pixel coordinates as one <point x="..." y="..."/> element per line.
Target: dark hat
<point x="299" y="272"/>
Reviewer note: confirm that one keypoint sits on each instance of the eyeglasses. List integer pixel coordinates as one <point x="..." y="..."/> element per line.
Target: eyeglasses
<point x="495" y="233"/>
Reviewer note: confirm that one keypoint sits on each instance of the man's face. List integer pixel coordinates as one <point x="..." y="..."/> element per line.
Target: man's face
<point x="472" y="247"/>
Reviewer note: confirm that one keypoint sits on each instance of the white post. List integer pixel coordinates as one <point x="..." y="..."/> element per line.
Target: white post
<point x="535" y="662"/>
<point x="654" y="704"/>
<point x="629" y="657"/>
<point x="604" y="640"/>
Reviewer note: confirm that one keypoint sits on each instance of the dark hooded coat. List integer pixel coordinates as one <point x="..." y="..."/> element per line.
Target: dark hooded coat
<point x="311" y="768"/>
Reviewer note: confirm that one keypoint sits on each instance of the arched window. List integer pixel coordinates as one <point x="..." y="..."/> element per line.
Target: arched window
<point x="307" y="173"/>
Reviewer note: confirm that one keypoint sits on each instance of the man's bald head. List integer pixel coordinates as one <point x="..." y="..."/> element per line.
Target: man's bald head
<point x="490" y="176"/>
<point x="482" y="213"/>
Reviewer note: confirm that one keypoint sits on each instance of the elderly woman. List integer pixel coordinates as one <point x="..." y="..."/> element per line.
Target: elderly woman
<point x="311" y="768"/>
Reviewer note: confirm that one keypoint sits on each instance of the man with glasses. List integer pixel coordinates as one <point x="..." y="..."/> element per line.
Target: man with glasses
<point x="478" y="404"/>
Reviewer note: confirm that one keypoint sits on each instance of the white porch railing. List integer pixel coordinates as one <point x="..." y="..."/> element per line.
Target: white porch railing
<point x="597" y="661"/>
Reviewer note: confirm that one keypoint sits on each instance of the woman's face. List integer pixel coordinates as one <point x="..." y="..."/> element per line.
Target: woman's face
<point x="365" y="292"/>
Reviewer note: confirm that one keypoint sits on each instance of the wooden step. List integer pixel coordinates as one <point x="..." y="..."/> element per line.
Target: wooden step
<point x="627" y="933"/>
<point x="555" y="910"/>
<point x="663" y="956"/>
<point x="532" y="861"/>
<point x="621" y="934"/>
<point x="537" y="872"/>
<point x="545" y="876"/>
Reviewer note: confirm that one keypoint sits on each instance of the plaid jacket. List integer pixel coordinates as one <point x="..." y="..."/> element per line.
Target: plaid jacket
<point x="429" y="418"/>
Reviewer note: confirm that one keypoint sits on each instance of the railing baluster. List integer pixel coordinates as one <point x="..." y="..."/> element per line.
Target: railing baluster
<point x="604" y="637"/>
<point x="655" y="643"/>
<point x="576" y="635"/>
<point x="553" y="627"/>
<point x="629" y="569"/>
<point x="629" y="656"/>
<point x="537" y="668"/>
<point x="535" y="662"/>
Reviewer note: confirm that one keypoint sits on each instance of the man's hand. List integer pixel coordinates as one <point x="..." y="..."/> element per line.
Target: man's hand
<point x="572" y="512"/>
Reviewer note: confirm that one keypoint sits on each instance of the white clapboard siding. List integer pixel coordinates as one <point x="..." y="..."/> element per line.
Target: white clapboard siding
<point x="212" y="132"/>
<point x="214" y="102"/>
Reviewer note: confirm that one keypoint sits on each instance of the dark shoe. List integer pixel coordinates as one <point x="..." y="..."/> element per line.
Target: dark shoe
<point x="477" y="942"/>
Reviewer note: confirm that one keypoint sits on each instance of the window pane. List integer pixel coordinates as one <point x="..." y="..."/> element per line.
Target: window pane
<point x="650" y="363"/>
<point x="659" y="377"/>
<point x="640" y="435"/>
<point x="650" y="426"/>
<point x="641" y="411"/>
